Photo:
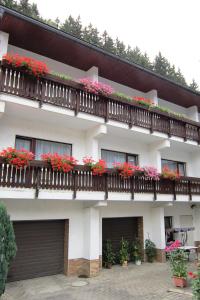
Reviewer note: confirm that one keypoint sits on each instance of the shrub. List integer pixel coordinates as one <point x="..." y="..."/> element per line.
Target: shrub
<point x="8" y="246"/>
<point x="136" y="250"/>
<point x="150" y="250"/>
<point x="29" y="65"/>
<point x="17" y="158"/>
<point x="62" y="163"/>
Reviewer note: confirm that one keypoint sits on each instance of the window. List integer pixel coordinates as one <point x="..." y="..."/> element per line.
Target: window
<point x="112" y="157"/>
<point x="39" y="147"/>
<point x="175" y="166"/>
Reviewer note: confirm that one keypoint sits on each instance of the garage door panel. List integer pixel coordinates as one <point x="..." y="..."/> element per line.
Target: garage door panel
<point x="40" y="249"/>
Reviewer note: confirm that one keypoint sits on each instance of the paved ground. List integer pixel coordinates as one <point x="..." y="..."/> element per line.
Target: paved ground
<point x="146" y="282"/>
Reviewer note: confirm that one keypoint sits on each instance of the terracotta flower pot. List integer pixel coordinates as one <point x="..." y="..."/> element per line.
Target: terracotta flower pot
<point x="180" y="282"/>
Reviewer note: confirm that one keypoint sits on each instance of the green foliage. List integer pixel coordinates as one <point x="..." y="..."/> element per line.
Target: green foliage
<point x="108" y="254"/>
<point x="122" y="96"/>
<point x="136" y="250"/>
<point x="61" y="76"/>
<point x="194" y="86"/>
<point x="150" y="250"/>
<point x="107" y="43"/>
<point x="196" y="285"/>
<point x="7" y="246"/>
<point x="178" y="263"/>
<point x="72" y="26"/>
<point x="91" y="35"/>
<point x="124" y="251"/>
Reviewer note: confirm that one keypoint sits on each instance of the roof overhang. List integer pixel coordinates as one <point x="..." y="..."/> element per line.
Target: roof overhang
<point x="35" y="36"/>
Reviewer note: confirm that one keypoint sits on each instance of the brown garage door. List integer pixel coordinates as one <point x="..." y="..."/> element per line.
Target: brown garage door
<point x="40" y="249"/>
<point x="116" y="228"/>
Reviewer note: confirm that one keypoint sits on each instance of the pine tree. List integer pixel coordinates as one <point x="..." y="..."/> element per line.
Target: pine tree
<point x="107" y="42"/>
<point x="161" y="65"/>
<point x="8" y="246"/>
<point x="120" y="48"/>
<point x="180" y="78"/>
<point x="28" y="9"/>
<point x="194" y="86"/>
<point x="9" y="3"/>
<point x="72" y="26"/>
<point x="91" y="35"/>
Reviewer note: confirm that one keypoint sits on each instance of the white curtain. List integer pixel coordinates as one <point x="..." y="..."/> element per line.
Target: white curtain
<point x="22" y="144"/>
<point x="43" y="147"/>
<point x="112" y="157"/>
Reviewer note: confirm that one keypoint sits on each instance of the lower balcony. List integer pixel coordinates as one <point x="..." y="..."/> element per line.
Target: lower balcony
<point x="39" y="181"/>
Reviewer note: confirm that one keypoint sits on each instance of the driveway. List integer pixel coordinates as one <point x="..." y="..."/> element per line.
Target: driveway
<point x="146" y="282"/>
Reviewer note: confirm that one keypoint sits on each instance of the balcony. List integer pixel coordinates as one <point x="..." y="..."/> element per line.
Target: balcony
<point x="39" y="176"/>
<point x="70" y="95"/>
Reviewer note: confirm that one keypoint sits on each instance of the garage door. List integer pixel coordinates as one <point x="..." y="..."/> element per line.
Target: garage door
<point x="116" y="228"/>
<point x="40" y="249"/>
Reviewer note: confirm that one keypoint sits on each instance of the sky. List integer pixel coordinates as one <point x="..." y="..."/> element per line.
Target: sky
<point x="171" y="27"/>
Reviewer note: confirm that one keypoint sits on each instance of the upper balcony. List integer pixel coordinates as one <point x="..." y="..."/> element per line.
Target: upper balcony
<point x="71" y="96"/>
<point x="38" y="180"/>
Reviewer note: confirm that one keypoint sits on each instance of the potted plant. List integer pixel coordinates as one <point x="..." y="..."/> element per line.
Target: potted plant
<point x="98" y="168"/>
<point x="108" y="255"/>
<point x="150" y="250"/>
<point x="178" y="262"/>
<point x="95" y="87"/>
<point x="136" y="252"/>
<point x="169" y="174"/>
<point x="18" y="158"/>
<point x="62" y="163"/>
<point x="124" y="253"/>
<point x="195" y="276"/>
<point x="25" y="64"/>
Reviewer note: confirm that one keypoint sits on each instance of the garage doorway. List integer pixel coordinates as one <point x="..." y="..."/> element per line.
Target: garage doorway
<point x="40" y="249"/>
<point x="129" y="228"/>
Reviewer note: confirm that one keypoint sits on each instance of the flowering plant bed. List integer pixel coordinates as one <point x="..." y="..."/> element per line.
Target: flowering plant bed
<point x="127" y="170"/>
<point x="97" y="88"/>
<point x="143" y="101"/>
<point x="17" y="158"/>
<point x="151" y="172"/>
<point x="98" y="168"/>
<point x="169" y="174"/>
<point x="28" y="65"/>
<point x="61" y="163"/>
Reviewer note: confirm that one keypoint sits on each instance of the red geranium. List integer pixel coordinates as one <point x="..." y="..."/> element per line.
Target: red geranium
<point x="127" y="170"/>
<point x="169" y="174"/>
<point x="88" y="161"/>
<point x="143" y="100"/>
<point x="63" y="163"/>
<point x="99" y="168"/>
<point x="18" y="158"/>
<point x="31" y="65"/>
<point x="193" y="275"/>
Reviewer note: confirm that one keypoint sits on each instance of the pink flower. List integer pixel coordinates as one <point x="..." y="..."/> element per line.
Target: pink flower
<point x="151" y="172"/>
<point x="96" y="87"/>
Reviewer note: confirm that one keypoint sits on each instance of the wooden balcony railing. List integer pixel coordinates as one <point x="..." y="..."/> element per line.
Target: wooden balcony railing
<point x="69" y="94"/>
<point x="39" y="175"/>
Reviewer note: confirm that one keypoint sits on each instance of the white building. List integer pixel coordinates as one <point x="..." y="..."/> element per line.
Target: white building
<point x="60" y="224"/>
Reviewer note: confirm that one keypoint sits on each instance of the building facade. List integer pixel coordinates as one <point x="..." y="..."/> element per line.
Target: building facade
<point x="61" y="220"/>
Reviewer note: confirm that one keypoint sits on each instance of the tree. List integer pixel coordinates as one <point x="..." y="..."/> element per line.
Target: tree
<point x="72" y="26"/>
<point x="120" y="48"/>
<point x="107" y="42"/>
<point x="91" y="35"/>
<point x="180" y="78"/>
<point x="8" y="246"/>
<point x="9" y="3"/>
<point x="193" y="85"/>
<point x="161" y="65"/>
<point x="29" y="9"/>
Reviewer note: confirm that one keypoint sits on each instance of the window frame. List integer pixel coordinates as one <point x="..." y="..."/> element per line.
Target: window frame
<point x="126" y="155"/>
<point x="177" y="164"/>
<point x="33" y="142"/>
